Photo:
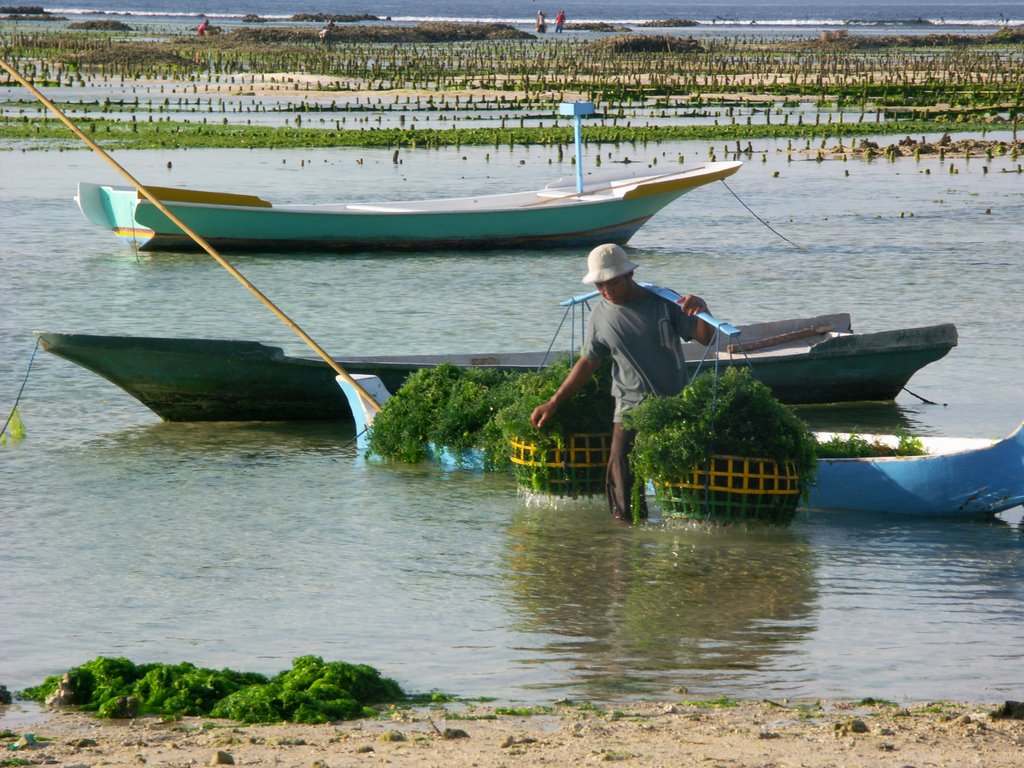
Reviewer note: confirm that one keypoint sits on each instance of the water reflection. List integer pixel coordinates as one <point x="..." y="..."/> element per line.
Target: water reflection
<point x="917" y="607"/>
<point x="877" y="417"/>
<point x="649" y="609"/>
<point x="253" y="440"/>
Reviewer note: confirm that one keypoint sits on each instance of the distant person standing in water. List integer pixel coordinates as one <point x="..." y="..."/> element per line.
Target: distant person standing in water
<point x="325" y="33"/>
<point x="559" y="21"/>
<point x="201" y="30"/>
<point x="542" y="21"/>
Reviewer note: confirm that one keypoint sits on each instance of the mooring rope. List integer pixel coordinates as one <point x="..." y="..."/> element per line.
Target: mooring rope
<point x="923" y="399"/>
<point x="800" y="247"/>
<point x="750" y="210"/>
<point x="22" y="389"/>
<point x="358" y="434"/>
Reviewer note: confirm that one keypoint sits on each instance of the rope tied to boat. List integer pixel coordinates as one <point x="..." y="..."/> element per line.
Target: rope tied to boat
<point x="924" y="400"/>
<point x="751" y="211"/>
<point x="17" y="430"/>
<point x="358" y="434"/>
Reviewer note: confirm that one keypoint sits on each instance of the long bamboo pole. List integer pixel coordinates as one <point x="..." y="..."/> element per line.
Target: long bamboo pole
<point x="192" y="234"/>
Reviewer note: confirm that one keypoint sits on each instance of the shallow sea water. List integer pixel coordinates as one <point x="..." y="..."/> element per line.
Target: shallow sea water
<point x="245" y="545"/>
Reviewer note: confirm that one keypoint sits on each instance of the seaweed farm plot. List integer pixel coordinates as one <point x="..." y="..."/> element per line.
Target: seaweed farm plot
<point x="506" y="91"/>
<point x="241" y="105"/>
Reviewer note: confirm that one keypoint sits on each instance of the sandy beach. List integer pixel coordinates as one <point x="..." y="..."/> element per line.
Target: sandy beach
<point x="649" y="734"/>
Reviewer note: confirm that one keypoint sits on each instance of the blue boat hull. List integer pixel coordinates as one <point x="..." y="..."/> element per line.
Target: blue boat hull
<point x="975" y="482"/>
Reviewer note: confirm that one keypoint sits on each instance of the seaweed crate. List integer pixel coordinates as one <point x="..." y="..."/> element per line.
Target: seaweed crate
<point x="576" y="470"/>
<point x="733" y="489"/>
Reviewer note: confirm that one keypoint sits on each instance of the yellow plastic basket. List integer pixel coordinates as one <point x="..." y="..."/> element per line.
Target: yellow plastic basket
<point x="734" y="489"/>
<point x="576" y="470"/>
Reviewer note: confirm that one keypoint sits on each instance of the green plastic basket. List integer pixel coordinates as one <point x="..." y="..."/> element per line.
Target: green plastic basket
<point x="577" y="470"/>
<point x="733" y="489"/>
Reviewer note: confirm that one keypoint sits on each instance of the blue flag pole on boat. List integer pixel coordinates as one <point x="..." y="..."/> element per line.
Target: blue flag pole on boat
<point x="576" y="110"/>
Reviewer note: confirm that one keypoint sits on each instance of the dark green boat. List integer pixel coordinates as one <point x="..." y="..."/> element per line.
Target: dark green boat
<point x="808" y="360"/>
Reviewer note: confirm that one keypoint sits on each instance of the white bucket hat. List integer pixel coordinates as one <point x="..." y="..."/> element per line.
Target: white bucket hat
<point x="606" y="262"/>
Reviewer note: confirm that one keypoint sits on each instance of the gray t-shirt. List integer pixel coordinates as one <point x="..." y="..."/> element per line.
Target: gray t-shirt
<point x="643" y="339"/>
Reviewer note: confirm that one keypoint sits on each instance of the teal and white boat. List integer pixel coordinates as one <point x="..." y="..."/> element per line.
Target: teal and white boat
<point x="569" y="212"/>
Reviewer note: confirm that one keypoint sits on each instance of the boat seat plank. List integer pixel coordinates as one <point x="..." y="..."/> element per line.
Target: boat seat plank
<point x="782" y="338"/>
<point x="556" y="194"/>
<point x="174" y="195"/>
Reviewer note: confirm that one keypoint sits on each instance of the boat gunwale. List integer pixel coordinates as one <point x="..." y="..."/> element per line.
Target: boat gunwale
<point x="933" y="448"/>
<point x="612" y="191"/>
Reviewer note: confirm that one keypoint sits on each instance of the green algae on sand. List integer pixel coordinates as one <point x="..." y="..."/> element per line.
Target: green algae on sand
<point x="312" y="691"/>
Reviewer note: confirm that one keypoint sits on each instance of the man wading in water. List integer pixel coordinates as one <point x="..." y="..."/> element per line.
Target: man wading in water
<point x="641" y="332"/>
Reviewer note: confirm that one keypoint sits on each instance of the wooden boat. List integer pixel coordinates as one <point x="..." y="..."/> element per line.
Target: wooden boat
<point x="610" y="209"/>
<point x="807" y="360"/>
<point x="958" y="477"/>
<point x="963" y="477"/>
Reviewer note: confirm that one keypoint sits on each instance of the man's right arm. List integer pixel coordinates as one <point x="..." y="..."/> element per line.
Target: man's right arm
<point x="578" y="376"/>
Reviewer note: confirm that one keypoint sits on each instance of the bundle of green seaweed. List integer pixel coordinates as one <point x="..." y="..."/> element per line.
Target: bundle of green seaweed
<point x="854" y="446"/>
<point x="734" y="415"/>
<point x="312" y="691"/>
<point x="478" y="410"/>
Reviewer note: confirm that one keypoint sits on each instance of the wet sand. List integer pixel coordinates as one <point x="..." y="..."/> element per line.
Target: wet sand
<point x="649" y="734"/>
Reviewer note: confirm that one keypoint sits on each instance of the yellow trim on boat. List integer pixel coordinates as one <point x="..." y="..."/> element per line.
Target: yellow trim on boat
<point x="134" y="232"/>
<point x="172" y="194"/>
<point x="670" y="185"/>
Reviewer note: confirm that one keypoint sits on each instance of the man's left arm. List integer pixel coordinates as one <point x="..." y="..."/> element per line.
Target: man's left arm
<point x="692" y="305"/>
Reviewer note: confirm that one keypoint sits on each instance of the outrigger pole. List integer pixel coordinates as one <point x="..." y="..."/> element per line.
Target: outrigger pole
<point x="192" y="234"/>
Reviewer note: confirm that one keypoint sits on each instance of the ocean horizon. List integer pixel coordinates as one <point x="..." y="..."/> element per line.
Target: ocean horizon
<point x="904" y="15"/>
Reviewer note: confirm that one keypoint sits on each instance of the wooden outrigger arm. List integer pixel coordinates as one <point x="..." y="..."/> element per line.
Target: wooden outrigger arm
<point x="199" y="240"/>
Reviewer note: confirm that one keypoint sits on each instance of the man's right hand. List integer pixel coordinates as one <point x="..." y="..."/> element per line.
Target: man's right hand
<point x="542" y="413"/>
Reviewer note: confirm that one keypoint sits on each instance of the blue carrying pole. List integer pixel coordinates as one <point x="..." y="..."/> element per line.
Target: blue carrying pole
<point x="576" y="110"/>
